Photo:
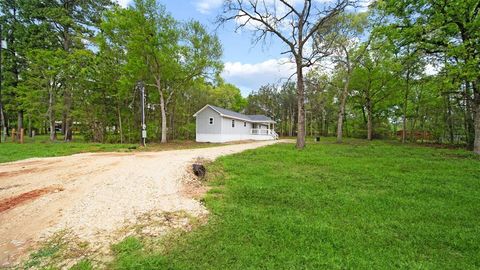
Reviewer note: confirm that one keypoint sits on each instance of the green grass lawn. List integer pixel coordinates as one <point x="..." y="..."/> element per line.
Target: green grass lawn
<point x="357" y="205"/>
<point x="42" y="147"/>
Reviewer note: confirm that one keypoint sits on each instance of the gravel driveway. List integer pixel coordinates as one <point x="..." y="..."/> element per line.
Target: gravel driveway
<point x="93" y="194"/>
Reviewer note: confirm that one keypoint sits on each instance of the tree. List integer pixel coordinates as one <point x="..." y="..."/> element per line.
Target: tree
<point x="66" y="24"/>
<point x="294" y="25"/>
<point x="277" y="102"/>
<point x="13" y="63"/>
<point x="343" y="34"/>
<point x="43" y="83"/>
<point x="227" y="96"/>
<point x="411" y="67"/>
<point x="372" y="82"/>
<point x="447" y="28"/>
<point x="320" y="96"/>
<point x="163" y="52"/>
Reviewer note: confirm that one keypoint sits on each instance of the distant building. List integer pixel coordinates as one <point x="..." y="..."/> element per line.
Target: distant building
<point x="418" y="135"/>
<point x="215" y="124"/>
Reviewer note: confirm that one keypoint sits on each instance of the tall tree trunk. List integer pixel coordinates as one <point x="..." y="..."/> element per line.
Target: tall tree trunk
<point x="341" y="110"/>
<point x="325" y="129"/>
<point x="476" y="144"/>
<point x="326" y="126"/>
<point x="301" y="103"/>
<point x="68" y="98"/>
<point x="163" y="112"/>
<point x="164" y="119"/>
<point x="450" y="120"/>
<point x="3" y="127"/>
<point x="292" y="122"/>
<point x="413" y="133"/>
<point x="172" y="123"/>
<point x="19" y="122"/>
<point x="476" y="102"/>
<point x="29" y="126"/>
<point x="345" y="125"/>
<point x="69" y="129"/>
<point x="369" y="120"/>
<point x="469" y="123"/>
<point x="405" y="107"/>
<point x="68" y="122"/>
<point x="51" y="114"/>
<point x="120" y="128"/>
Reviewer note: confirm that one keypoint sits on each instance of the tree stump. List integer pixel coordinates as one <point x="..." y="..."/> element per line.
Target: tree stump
<point x="199" y="170"/>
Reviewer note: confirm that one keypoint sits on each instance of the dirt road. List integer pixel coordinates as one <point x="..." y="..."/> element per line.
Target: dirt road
<point x="93" y="194"/>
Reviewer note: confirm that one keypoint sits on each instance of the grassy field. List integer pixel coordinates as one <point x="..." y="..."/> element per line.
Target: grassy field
<point x="357" y="205"/>
<point x="42" y="147"/>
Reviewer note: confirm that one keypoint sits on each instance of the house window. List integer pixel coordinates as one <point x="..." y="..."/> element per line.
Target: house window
<point x="210" y="121"/>
<point x="233" y="123"/>
<point x="244" y="124"/>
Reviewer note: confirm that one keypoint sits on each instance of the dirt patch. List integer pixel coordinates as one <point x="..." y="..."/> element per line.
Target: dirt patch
<point x="23" y="198"/>
<point x="9" y="187"/>
<point x="65" y="248"/>
<point x="21" y="172"/>
<point x="115" y="154"/>
<point x="25" y="163"/>
<point x="192" y="185"/>
<point x="105" y="192"/>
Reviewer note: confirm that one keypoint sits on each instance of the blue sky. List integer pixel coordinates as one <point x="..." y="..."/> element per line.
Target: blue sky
<point x="247" y="66"/>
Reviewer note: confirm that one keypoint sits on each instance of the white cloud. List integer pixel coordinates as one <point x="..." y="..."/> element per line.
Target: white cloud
<point x="206" y="6"/>
<point x="361" y="6"/>
<point x="123" y="3"/>
<point x="250" y="77"/>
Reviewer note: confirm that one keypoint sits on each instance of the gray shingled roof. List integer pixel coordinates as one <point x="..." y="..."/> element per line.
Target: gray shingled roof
<point x="253" y="118"/>
<point x="259" y="117"/>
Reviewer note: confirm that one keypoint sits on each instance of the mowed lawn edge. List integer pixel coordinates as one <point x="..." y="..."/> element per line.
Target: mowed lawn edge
<point x="10" y="152"/>
<point x="354" y="205"/>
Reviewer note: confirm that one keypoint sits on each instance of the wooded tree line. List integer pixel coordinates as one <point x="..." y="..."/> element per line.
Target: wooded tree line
<point x="404" y="68"/>
<point x="71" y="66"/>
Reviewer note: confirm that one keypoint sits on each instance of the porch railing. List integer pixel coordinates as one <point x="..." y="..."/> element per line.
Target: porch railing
<point x="264" y="131"/>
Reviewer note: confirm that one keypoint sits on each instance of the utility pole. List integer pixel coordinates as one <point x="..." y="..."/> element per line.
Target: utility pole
<point x="141" y="87"/>
<point x="3" y="130"/>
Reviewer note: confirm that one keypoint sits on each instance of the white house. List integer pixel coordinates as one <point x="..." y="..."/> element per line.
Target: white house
<point x="215" y="124"/>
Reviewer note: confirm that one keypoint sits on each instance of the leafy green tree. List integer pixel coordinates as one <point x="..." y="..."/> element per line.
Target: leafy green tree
<point x="294" y="25"/>
<point x="448" y="28"/>
<point x="373" y="83"/>
<point x="43" y="84"/>
<point x="342" y="37"/>
<point x="13" y="62"/>
<point x="164" y="53"/>
<point x="66" y="24"/>
<point x="227" y="96"/>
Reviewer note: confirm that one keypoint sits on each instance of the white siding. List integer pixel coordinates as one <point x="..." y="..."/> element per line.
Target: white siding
<point x="202" y="122"/>
<point x="239" y="129"/>
<point x="221" y="138"/>
<point x="222" y="131"/>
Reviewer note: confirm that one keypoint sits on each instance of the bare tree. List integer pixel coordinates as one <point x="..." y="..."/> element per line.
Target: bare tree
<point x="294" y="24"/>
<point x="347" y="51"/>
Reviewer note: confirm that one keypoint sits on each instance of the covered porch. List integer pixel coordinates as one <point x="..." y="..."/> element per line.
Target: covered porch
<point x="267" y="128"/>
